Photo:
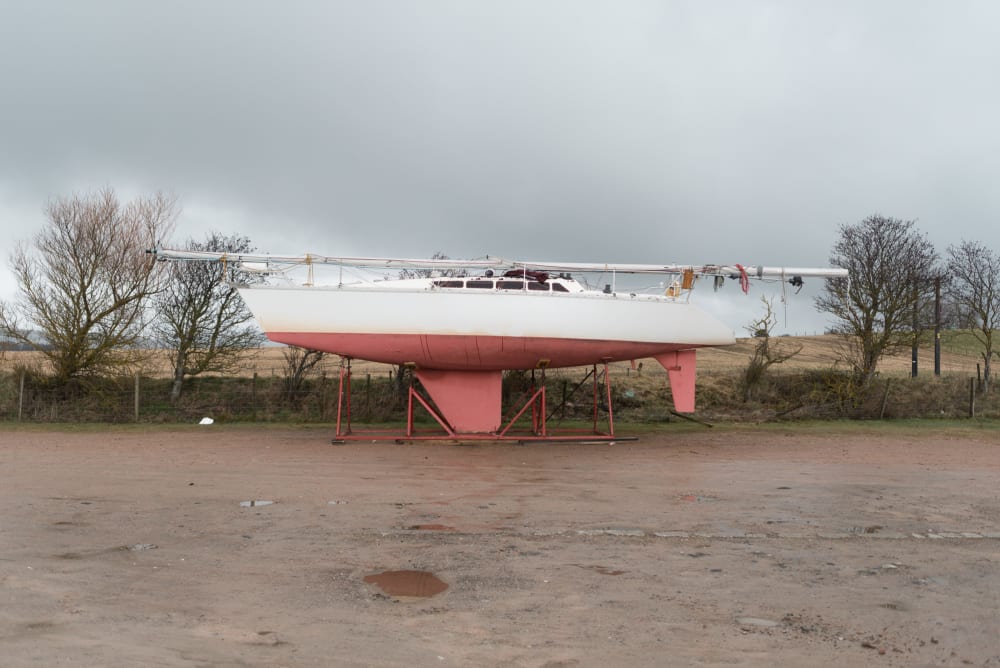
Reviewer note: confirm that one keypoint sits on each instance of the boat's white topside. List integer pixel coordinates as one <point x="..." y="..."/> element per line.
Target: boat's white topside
<point x="426" y="306"/>
<point x="430" y="306"/>
<point x="492" y="323"/>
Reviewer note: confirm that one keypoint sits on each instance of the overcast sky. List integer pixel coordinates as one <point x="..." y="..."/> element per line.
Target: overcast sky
<point x="693" y="132"/>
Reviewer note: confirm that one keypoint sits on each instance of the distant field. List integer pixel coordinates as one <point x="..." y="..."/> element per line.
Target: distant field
<point x="959" y="356"/>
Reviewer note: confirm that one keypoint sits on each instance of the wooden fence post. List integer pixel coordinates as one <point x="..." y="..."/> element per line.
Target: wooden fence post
<point x="253" y="395"/>
<point x="20" y="399"/>
<point x="972" y="397"/>
<point x="322" y="396"/>
<point x="885" y="398"/>
<point x="136" y="398"/>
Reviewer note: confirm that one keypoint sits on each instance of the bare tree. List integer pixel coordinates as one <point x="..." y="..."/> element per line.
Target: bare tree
<point x="766" y="353"/>
<point x="891" y="267"/>
<point x="202" y="320"/>
<point x="975" y="290"/>
<point x="84" y="282"/>
<point x="299" y="364"/>
<point x="430" y="273"/>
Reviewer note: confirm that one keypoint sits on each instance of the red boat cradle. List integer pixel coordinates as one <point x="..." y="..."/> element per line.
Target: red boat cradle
<point x="467" y="407"/>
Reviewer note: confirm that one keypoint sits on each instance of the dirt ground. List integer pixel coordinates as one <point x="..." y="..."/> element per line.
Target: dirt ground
<point x="737" y="547"/>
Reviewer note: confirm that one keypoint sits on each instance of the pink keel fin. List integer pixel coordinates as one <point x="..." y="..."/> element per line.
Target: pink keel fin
<point x="680" y="366"/>
<point x="468" y="400"/>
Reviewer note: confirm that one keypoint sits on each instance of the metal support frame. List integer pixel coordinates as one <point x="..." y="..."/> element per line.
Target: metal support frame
<point x="611" y="412"/>
<point x="413" y="394"/>
<point x="598" y="377"/>
<point x="535" y="399"/>
<point x="345" y="372"/>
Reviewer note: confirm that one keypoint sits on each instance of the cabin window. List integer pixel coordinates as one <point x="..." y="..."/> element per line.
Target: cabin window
<point x="559" y="287"/>
<point x="449" y="284"/>
<point x="479" y="284"/>
<point x="535" y="285"/>
<point x="510" y="285"/>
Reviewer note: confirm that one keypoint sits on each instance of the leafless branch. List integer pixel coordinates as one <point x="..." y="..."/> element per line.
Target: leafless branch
<point x="975" y="290"/>
<point x="202" y="319"/>
<point x="84" y="282"/>
<point x="891" y="268"/>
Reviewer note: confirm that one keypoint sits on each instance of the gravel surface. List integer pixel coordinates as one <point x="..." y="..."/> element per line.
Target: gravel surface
<point x="737" y="547"/>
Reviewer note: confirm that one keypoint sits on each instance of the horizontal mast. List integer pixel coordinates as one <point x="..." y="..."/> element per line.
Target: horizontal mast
<point x="309" y="258"/>
<point x="500" y="263"/>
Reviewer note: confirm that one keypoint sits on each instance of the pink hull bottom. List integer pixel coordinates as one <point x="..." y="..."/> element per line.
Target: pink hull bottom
<point x="462" y="373"/>
<point x="472" y="352"/>
<point x="468" y="400"/>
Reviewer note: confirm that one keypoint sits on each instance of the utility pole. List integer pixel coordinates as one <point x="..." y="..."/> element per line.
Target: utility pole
<point x="916" y="331"/>
<point x="937" y="325"/>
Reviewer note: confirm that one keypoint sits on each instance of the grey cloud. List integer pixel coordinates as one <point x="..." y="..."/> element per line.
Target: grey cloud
<point x="637" y="131"/>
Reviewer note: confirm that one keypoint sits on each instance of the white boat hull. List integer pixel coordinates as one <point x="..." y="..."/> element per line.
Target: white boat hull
<point x="481" y="329"/>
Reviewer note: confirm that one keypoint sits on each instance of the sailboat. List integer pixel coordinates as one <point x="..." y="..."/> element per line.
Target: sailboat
<point x="462" y="323"/>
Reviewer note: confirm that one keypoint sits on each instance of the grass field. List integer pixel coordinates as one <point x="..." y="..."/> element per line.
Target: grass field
<point x="959" y="355"/>
<point x="812" y="384"/>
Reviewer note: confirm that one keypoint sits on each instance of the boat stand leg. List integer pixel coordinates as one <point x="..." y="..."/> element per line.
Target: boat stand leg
<point x="430" y="409"/>
<point x="345" y="372"/>
<point x="340" y="400"/>
<point x="534" y="405"/>
<point x="538" y="407"/>
<point x="530" y="402"/>
<point x="349" y="395"/>
<point x="611" y="413"/>
<point x="606" y="377"/>
<point x="542" y="409"/>
<point x="595" y="398"/>
<point x="409" y="410"/>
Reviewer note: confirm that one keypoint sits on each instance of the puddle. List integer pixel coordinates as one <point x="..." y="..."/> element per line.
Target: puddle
<point x="255" y="503"/>
<point x="37" y="626"/>
<point x="421" y="584"/>
<point x="431" y="527"/>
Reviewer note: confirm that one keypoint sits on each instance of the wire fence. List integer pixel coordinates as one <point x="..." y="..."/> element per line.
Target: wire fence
<point x="140" y="399"/>
<point x="375" y="397"/>
<point x="381" y="396"/>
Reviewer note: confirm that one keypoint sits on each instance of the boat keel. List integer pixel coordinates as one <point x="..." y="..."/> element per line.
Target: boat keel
<point x="681" y="369"/>
<point x="468" y="400"/>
